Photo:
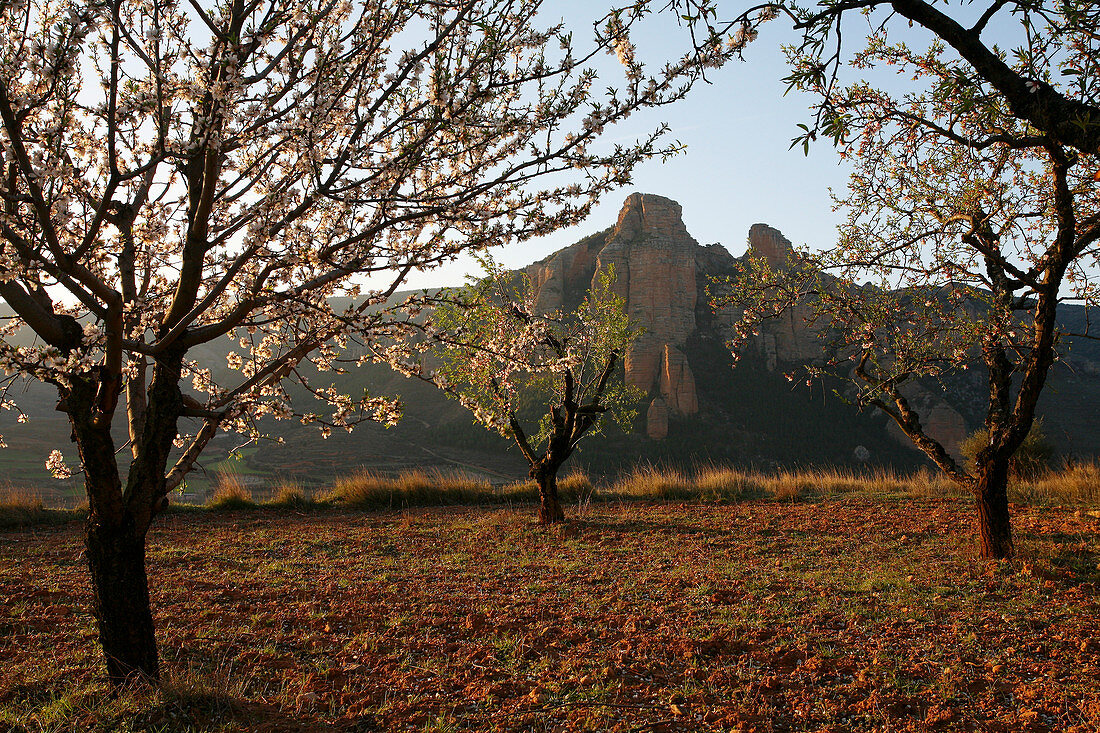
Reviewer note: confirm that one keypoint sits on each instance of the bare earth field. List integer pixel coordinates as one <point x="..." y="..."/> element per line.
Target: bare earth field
<point x="847" y="614"/>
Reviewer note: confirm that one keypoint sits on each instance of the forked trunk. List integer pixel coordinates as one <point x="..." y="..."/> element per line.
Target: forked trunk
<point x="120" y="601"/>
<point x="994" y="524"/>
<point x="550" y="511"/>
<point x="114" y="540"/>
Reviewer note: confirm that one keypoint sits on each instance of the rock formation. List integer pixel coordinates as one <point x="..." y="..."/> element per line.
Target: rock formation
<point x="662" y="274"/>
<point x="788" y="338"/>
<point x="677" y="383"/>
<point x="656" y="419"/>
<point x="654" y="259"/>
<point x="771" y="244"/>
<point x="562" y="279"/>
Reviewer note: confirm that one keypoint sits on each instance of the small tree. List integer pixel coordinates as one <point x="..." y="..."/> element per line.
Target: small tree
<point x="971" y="223"/>
<point x="176" y="173"/>
<point x="497" y="355"/>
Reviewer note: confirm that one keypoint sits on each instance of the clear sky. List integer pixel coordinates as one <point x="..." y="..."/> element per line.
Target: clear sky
<point x="737" y="169"/>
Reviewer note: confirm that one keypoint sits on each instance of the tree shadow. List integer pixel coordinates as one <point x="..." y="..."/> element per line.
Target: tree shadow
<point x="216" y="710"/>
<point x="1079" y="565"/>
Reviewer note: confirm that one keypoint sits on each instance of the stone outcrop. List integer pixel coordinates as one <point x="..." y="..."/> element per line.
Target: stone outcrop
<point x="787" y="338"/>
<point x="654" y="260"/>
<point x="677" y="383"/>
<point x="795" y="339"/>
<point x="770" y="244"/>
<point x="562" y="279"/>
<point x="656" y="274"/>
<point x="662" y="274"/>
<point x="656" y="419"/>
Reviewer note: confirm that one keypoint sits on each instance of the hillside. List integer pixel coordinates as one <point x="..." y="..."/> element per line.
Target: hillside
<point x="699" y="408"/>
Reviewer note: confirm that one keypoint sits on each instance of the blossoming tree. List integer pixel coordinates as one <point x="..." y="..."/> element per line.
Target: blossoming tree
<point x="505" y="361"/>
<point x="175" y="173"/>
<point x="971" y="220"/>
<point x="1064" y="106"/>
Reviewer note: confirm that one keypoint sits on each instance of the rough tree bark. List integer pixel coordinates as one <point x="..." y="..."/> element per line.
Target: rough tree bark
<point x="550" y="511"/>
<point x="114" y="541"/>
<point x="120" y="599"/>
<point x="994" y="523"/>
<point x="118" y="520"/>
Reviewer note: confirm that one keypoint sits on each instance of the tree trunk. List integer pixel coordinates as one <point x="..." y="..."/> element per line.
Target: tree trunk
<point x="550" y="511"/>
<point x="994" y="525"/>
<point x="114" y="540"/>
<point x="120" y="600"/>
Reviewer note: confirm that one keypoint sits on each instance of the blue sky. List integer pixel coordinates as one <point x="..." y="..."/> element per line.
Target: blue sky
<point x="737" y="169"/>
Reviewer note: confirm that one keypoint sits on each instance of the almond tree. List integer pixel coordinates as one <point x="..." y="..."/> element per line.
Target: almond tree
<point x="971" y="222"/>
<point x="175" y="173"/>
<point x="1064" y="106"/>
<point x="498" y="356"/>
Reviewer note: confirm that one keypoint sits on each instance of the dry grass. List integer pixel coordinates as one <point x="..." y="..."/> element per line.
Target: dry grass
<point x="291" y="495"/>
<point x="717" y="483"/>
<point x="651" y="482"/>
<point x="21" y="507"/>
<point x="1076" y="485"/>
<point x="576" y="486"/>
<point x="370" y="490"/>
<point x="231" y="493"/>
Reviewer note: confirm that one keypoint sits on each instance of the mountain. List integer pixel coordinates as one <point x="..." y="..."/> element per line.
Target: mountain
<point x="699" y="406"/>
<point x="663" y="272"/>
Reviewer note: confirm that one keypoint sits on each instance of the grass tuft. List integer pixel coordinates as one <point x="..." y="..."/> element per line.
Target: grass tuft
<point x="21" y="507"/>
<point x="574" y="487"/>
<point x="651" y="482"/>
<point x="231" y="494"/>
<point x="1073" y="485"/>
<point x="718" y="483"/>
<point x="291" y="495"/>
<point x="1076" y="484"/>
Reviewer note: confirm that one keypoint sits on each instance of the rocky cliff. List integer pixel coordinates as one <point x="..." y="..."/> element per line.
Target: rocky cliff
<point x="659" y="271"/>
<point x="662" y="274"/>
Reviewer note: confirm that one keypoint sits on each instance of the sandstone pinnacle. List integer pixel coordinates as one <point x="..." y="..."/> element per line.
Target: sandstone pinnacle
<point x="770" y="243"/>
